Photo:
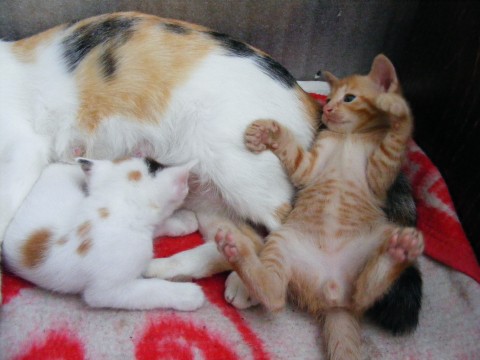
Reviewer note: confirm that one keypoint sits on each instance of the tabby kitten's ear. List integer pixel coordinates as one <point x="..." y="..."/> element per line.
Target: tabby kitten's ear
<point x="330" y="78"/>
<point x="383" y="73"/>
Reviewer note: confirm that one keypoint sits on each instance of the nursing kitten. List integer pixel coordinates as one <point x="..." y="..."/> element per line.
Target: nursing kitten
<point x="125" y="84"/>
<point x="90" y="232"/>
<point x="337" y="252"/>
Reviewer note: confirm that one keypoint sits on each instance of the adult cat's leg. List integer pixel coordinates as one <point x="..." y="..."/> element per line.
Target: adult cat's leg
<point x="145" y="294"/>
<point x="399" y="248"/>
<point x="266" y="276"/>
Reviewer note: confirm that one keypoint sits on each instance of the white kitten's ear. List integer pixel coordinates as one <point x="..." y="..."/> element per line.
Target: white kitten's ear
<point x="85" y="164"/>
<point x="383" y="74"/>
<point x="180" y="178"/>
<point x="330" y="78"/>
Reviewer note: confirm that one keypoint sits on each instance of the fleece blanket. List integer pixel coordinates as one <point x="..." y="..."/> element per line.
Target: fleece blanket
<point x="37" y="324"/>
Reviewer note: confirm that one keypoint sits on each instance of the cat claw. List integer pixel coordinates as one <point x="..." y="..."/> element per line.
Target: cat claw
<point x="406" y="245"/>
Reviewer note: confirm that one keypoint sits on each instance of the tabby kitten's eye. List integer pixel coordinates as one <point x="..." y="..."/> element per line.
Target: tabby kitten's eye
<point x="349" y="98"/>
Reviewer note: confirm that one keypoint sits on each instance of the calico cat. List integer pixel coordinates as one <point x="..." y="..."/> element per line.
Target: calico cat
<point x="90" y="232"/>
<point x="133" y="84"/>
<point x="337" y="252"/>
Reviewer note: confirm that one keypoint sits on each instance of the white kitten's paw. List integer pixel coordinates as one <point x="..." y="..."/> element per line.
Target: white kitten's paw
<point x="393" y="104"/>
<point x="237" y="294"/>
<point x="190" y="297"/>
<point x="168" y="269"/>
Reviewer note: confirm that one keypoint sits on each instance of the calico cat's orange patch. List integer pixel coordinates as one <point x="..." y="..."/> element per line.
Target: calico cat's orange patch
<point x="134" y="175"/>
<point x="35" y="247"/>
<point x="153" y="62"/>
<point x="312" y="108"/>
<point x="25" y="49"/>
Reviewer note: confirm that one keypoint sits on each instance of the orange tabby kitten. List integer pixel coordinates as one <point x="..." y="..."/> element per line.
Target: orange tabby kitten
<point x="336" y="252"/>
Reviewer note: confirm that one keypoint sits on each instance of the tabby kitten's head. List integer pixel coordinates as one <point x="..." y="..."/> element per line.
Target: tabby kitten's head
<point x="351" y="107"/>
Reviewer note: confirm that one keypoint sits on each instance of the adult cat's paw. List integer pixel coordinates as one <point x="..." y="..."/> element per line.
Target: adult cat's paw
<point x="393" y="104"/>
<point x="262" y="135"/>
<point x="189" y="297"/>
<point x="406" y="244"/>
<point x="237" y="294"/>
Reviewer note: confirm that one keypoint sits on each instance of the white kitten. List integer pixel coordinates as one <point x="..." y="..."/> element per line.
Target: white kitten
<point x="90" y="232"/>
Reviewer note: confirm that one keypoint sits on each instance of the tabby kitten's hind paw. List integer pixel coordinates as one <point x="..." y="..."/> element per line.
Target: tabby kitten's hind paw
<point x="262" y="135"/>
<point x="227" y="246"/>
<point x="406" y="244"/>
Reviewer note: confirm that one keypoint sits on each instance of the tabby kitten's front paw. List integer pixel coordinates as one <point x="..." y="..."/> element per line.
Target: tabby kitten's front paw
<point x="406" y="244"/>
<point x="262" y="135"/>
<point x="392" y="104"/>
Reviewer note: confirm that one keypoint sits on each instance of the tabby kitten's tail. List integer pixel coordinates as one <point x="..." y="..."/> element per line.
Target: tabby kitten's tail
<point x="342" y="335"/>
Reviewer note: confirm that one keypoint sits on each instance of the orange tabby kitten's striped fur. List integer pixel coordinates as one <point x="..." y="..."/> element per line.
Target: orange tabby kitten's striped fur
<point x="336" y="252"/>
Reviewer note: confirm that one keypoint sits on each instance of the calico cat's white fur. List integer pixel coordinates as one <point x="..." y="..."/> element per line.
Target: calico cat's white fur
<point x="92" y="234"/>
<point x="128" y="83"/>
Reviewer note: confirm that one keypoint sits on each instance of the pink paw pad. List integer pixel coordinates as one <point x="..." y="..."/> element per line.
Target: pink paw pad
<point x="226" y="245"/>
<point x="406" y="245"/>
<point x="259" y="136"/>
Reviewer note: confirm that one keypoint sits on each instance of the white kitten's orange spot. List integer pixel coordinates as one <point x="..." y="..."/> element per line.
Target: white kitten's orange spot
<point x="84" y="229"/>
<point x="103" y="212"/>
<point x="62" y="241"/>
<point x="134" y="175"/>
<point x="84" y="246"/>
<point x="35" y="247"/>
<point x="26" y="49"/>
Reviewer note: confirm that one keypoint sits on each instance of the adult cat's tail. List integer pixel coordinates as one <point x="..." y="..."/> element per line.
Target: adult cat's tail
<point x="342" y="335"/>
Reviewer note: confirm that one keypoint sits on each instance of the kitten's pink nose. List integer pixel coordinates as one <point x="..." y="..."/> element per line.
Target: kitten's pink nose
<point x="328" y="109"/>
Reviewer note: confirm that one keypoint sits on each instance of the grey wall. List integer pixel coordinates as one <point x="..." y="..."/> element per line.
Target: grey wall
<point x="304" y="35"/>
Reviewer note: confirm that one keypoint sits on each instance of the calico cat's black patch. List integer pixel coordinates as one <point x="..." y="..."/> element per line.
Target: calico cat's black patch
<point x="399" y="309"/>
<point x="234" y="47"/>
<point x="275" y="70"/>
<point x="108" y="63"/>
<point x="77" y="45"/>
<point x="177" y="29"/>
<point x="153" y="165"/>
<point x="266" y="63"/>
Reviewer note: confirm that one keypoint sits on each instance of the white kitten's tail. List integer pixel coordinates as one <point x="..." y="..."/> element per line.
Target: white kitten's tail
<point x="342" y="335"/>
